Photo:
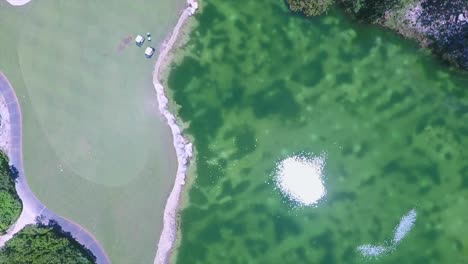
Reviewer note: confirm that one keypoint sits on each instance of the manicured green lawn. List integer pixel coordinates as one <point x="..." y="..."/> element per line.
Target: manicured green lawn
<point x="95" y="148"/>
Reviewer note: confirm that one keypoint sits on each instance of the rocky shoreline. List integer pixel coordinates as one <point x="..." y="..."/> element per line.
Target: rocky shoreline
<point x="18" y="2"/>
<point x="438" y="25"/>
<point x="441" y="26"/>
<point x="182" y="146"/>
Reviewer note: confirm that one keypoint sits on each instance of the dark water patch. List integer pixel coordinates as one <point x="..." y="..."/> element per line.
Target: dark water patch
<point x="191" y="212"/>
<point x="312" y="100"/>
<point x="181" y="75"/>
<point x="227" y="206"/>
<point x="301" y="253"/>
<point x="376" y="229"/>
<point x="310" y="77"/>
<point x="276" y="100"/>
<point x="432" y="171"/>
<point x="341" y="197"/>
<point x="371" y="97"/>
<point x="364" y="148"/>
<point x="458" y="245"/>
<point x="241" y="26"/>
<point x="347" y="150"/>
<point x="439" y="122"/>
<point x="391" y="167"/>
<point x="424" y="190"/>
<point x="227" y="186"/>
<point x="421" y="125"/>
<point x="348" y="255"/>
<point x="343" y="78"/>
<point x="244" y="139"/>
<point x="462" y="111"/>
<point x="211" y="15"/>
<point x="236" y="227"/>
<point x="256" y="247"/>
<point x="213" y="173"/>
<point x="241" y="187"/>
<point x="197" y="251"/>
<point x="233" y="96"/>
<point x="369" y="181"/>
<point x="464" y="177"/>
<point x="432" y="235"/>
<point x="448" y="156"/>
<point x="323" y="240"/>
<point x="403" y="112"/>
<point x="223" y="163"/>
<point x="206" y="124"/>
<point x="394" y="99"/>
<point x="197" y="196"/>
<point x="285" y="227"/>
<point x="219" y="40"/>
<point x="245" y="171"/>
<point x="211" y="232"/>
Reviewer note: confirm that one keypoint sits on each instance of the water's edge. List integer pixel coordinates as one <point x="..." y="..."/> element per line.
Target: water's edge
<point x="182" y="146"/>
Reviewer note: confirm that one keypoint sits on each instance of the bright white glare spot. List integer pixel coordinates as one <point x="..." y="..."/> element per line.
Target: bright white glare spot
<point x="405" y="225"/>
<point x="371" y="250"/>
<point x="300" y="179"/>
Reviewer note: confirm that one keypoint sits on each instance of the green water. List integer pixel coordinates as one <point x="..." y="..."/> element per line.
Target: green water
<point x="258" y="85"/>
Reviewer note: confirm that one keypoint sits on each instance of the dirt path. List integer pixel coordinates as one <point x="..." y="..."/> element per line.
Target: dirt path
<point x="183" y="147"/>
<point x="10" y="132"/>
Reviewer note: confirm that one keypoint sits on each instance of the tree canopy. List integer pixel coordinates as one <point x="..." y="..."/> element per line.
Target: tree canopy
<point x="44" y="244"/>
<point x="10" y="203"/>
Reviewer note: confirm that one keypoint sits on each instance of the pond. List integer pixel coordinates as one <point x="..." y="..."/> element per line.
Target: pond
<point x="385" y="122"/>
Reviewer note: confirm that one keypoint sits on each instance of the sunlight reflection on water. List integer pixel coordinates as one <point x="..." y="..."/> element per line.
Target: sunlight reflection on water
<point x="400" y="231"/>
<point x="300" y="179"/>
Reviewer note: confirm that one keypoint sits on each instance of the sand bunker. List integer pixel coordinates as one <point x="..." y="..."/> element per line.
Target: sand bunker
<point x="300" y="179"/>
<point x="18" y="2"/>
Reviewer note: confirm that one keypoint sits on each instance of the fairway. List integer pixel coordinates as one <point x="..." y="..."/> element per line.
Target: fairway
<point x="95" y="147"/>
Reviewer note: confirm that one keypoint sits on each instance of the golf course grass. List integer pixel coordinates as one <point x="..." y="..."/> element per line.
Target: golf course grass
<point x="95" y="149"/>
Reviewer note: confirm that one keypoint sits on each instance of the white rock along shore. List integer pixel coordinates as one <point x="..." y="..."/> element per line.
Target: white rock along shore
<point x="182" y="146"/>
<point x="18" y="2"/>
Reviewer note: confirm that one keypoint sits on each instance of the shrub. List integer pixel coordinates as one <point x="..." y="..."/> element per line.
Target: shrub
<point x="10" y="203"/>
<point x="44" y="244"/>
<point x="309" y="7"/>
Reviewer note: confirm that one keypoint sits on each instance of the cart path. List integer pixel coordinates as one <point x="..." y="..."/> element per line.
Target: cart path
<point x="32" y="207"/>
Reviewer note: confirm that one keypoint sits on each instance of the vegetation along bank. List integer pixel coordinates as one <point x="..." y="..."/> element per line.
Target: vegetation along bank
<point x="440" y="25"/>
<point x="40" y="243"/>
<point x="10" y="203"/>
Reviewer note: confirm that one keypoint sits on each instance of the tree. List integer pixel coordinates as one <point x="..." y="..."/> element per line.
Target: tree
<point x="44" y="244"/>
<point x="10" y="203"/>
